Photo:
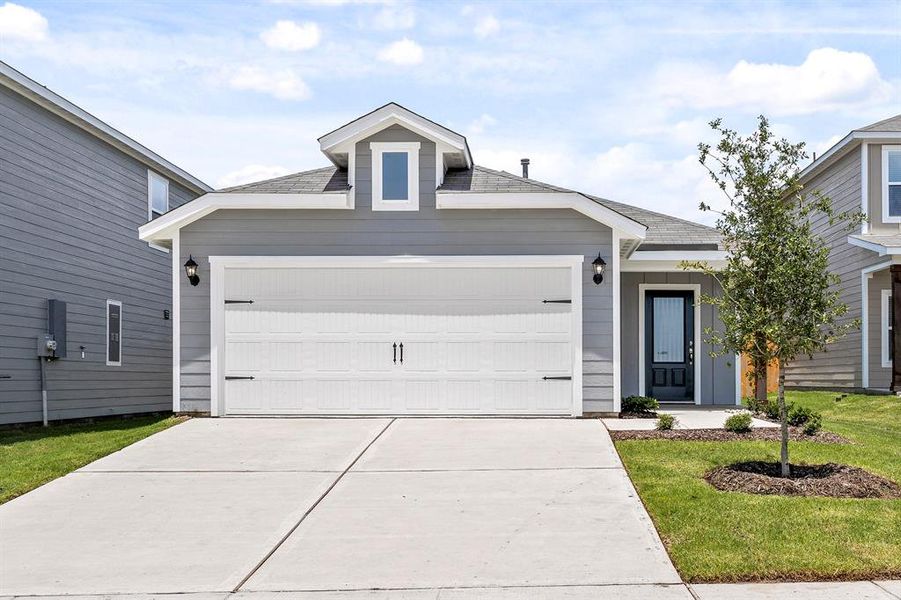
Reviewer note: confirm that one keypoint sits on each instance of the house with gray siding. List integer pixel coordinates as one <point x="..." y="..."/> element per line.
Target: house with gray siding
<point x="405" y="279"/>
<point x="862" y="172"/>
<point x="73" y="192"/>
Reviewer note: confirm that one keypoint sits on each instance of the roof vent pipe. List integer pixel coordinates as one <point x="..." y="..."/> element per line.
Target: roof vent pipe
<point x="525" y="167"/>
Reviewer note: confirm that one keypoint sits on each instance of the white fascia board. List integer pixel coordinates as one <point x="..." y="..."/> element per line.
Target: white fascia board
<point x="847" y="143"/>
<point x="79" y="117"/>
<point x="339" y="140"/>
<point x="679" y="255"/>
<point x="163" y="228"/>
<point x="877" y="248"/>
<point x="540" y="200"/>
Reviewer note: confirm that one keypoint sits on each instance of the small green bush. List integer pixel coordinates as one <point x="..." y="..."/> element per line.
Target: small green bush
<point x="739" y="423"/>
<point x="799" y="415"/>
<point x="666" y="422"/>
<point x="758" y="407"/>
<point x="772" y="409"/>
<point x="813" y="424"/>
<point x="640" y="404"/>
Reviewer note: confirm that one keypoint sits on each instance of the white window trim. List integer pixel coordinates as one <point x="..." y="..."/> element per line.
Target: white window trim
<point x="151" y="175"/>
<point x="412" y="150"/>
<point x="219" y="265"/>
<point x="695" y="288"/>
<point x="884" y="332"/>
<point x="886" y="218"/>
<point x="110" y="363"/>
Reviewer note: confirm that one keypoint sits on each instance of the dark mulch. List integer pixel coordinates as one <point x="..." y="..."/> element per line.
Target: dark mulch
<point x="638" y="415"/>
<point x="795" y="434"/>
<point x="831" y="480"/>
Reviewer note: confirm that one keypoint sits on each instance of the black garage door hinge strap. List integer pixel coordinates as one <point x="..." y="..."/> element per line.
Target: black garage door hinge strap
<point x="563" y="378"/>
<point x="239" y="301"/>
<point x="231" y="377"/>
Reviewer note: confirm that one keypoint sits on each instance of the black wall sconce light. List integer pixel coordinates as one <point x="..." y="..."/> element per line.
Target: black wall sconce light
<point x="191" y="271"/>
<point x="599" y="266"/>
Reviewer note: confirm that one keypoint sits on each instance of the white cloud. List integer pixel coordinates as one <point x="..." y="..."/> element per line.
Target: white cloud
<point x="282" y="84"/>
<point x="403" y="52"/>
<point x="249" y="174"/>
<point x="291" y="36"/>
<point x="479" y="125"/>
<point x="22" y="23"/>
<point x="486" y="25"/>
<point x="827" y="80"/>
<point x="395" y="16"/>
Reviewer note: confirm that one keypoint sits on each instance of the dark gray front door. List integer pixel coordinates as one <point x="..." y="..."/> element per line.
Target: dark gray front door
<point x="669" y="345"/>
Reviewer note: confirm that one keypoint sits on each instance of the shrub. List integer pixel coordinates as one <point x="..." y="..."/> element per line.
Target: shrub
<point x="813" y="424"/>
<point x="640" y="404"/>
<point x="798" y="415"/>
<point x="772" y="410"/>
<point x="739" y="423"/>
<point x="666" y="422"/>
<point x="754" y="405"/>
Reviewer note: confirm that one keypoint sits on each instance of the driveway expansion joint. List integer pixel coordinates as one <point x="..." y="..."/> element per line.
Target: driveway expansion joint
<point x="313" y="507"/>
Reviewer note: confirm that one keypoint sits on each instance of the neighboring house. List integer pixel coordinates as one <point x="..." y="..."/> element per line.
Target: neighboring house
<point x="404" y="279"/>
<point x="73" y="192"/>
<point x="861" y="172"/>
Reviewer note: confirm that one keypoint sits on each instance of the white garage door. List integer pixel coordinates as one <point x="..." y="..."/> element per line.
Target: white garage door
<point x="398" y="340"/>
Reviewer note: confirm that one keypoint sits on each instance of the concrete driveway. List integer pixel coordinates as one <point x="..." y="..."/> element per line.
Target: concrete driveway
<point x="335" y="508"/>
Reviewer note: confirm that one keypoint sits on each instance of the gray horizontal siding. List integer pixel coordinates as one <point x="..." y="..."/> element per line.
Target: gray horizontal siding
<point x="839" y="366"/>
<point x="363" y="232"/>
<point x="70" y="206"/>
<point x="717" y="374"/>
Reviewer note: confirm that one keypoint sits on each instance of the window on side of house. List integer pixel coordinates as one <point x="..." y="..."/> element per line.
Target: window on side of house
<point x="395" y="175"/>
<point x="113" y="333"/>
<point x="157" y="195"/>
<point x="891" y="183"/>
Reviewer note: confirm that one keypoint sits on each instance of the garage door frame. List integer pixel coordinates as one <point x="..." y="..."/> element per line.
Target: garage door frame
<point x="219" y="265"/>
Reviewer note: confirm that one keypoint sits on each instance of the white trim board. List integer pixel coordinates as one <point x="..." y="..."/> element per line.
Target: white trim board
<point x="865" y="275"/>
<point x="176" y="322"/>
<point x="695" y="288"/>
<point x="411" y="149"/>
<point x="162" y="229"/>
<point x="219" y="264"/>
<point x="541" y="200"/>
<point x="846" y="143"/>
<point x="876" y="247"/>
<point x="885" y="321"/>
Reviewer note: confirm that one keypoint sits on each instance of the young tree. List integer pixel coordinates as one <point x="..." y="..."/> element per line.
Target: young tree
<point x="779" y="300"/>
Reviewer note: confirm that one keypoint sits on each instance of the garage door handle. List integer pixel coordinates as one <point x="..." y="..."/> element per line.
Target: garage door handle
<point x="395" y="352"/>
<point x="231" y="377"/>
<point x="401" y="353"/>
<point x="563" y="378"/>
<point x="556" y="301"/>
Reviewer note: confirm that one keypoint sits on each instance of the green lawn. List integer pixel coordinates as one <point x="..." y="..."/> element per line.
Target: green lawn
<point x="33" y="455"/>
<point x="722" y="536"/>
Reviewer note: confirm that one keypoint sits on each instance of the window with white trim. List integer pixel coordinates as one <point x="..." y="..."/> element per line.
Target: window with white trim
<point x="113" y="333"/>
<point x="888" y="346"/>
<point x="891" y="184"/>
<point x="395" y="175"/>
<point x="157" y="195"/>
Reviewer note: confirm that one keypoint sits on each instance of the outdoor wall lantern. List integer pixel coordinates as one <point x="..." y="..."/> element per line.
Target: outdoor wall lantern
<point x="191" y="270"/>
<point x="598" y="265"/>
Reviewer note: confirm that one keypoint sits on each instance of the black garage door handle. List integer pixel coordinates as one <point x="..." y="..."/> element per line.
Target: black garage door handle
<point x="231" y="377"/>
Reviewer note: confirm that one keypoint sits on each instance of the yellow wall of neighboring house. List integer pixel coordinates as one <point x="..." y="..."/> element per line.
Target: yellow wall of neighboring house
<point x="772" y="377"/>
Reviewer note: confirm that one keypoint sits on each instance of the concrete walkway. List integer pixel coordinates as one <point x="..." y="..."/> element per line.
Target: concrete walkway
<point x="357" y="509"/>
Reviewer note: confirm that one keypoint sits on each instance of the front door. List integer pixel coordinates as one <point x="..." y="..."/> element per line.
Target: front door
<point x="669" y="345"/>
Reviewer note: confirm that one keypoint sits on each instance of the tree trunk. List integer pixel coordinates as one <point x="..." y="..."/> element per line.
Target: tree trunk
<point x="783" y="422"/>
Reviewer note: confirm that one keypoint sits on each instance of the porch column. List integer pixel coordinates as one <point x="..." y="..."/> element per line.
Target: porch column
<point x="896" y="331"/>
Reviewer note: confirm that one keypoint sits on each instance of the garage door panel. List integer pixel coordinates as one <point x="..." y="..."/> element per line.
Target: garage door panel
<point x="476" y="340"/>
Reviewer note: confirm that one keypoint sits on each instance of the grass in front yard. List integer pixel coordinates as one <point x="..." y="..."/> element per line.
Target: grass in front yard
<point x="727" y="536"/>
<point x="31" y="456"/>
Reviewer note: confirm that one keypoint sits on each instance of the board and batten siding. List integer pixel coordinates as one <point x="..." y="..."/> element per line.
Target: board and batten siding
<point x="717" y="374"/>
<point x="839" y="366"/>
<point x="363" y="232"/>
<point x="70" y="206"/>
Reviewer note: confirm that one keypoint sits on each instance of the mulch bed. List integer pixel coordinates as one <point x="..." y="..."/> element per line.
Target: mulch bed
<point x="795" y="434"/>
<point x="830" y="480"/>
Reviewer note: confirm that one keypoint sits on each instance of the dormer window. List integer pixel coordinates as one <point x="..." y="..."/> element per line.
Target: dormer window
<point x="395" y="175"/>
<point x="891" y="184"/>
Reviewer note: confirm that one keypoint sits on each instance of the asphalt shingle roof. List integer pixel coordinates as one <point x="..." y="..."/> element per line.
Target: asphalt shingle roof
<point x="663" y="230"/>
<point x="890" y="124"/>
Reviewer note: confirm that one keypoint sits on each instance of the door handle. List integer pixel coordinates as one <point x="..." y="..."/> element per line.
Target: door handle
<point x="691" y="352"/>
<point x="395" y="352"/>
<point x="401" y="353"/>
<point x="233" y="377"/>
